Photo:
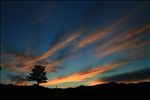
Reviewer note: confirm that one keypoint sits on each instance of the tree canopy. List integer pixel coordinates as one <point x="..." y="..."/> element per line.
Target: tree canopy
<point x="38" y="74"/>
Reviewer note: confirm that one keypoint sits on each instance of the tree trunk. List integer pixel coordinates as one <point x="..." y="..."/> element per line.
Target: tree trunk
<point x="38" y="83"/>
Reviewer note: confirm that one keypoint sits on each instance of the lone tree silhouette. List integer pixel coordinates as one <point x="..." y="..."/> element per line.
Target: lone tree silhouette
<point x="38" y="74"/>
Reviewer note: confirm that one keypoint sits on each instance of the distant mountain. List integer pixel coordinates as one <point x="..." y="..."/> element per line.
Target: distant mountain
<point x="104" y="91"/>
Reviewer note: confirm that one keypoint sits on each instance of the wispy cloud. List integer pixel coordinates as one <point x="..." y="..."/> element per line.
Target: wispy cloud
<point x="12" y="60"/>
<point x="100" y="34"/>
<point x="53" y="50"/>
<point x="80" y="76"/>
<point x="123" y="41"/>
<point x="52" y="67"/>
<point x="98" y="70"/>
<point x="27" y="63"/>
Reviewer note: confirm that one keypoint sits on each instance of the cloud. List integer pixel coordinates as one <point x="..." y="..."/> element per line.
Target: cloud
<point x="18" y="80"/>
<point x="60" y="43"/>
<point x="101" y="34"/>
<point x="52" y="67"/>
<point x="123" y="41"/>
<point x="13" y="59"/>
<point x="80" y="76"/>
<point x="20" y="62"/>
<point x="52" y="51"/>
<point x="95" y="82"/>
<point x="98" y="70"/>
<point x="139" y="75"/>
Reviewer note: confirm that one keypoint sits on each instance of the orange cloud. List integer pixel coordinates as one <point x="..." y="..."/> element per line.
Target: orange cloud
<point x="96" y="36"/>
<point x="80" y="76"/>
<point x="52" y="66"/>
<point x="91" y="38"/>
<point x="123" y="41"/>
<point x="95" y="82"/>
<point x="54" y="49"/>
<point x="118" y="48"/>
<point x="27" y="64"/>
<point x="137" y="31"/>
<point x="122" y="37"/>
<point x="22" y="83"/>
<point x="15" y="59"/>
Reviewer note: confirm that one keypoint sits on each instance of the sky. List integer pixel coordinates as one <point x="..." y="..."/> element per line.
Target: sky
<point x="79" y="42"/>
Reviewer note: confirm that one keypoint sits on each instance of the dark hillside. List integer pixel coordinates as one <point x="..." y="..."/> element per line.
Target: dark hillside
<point x="111" y="90"/>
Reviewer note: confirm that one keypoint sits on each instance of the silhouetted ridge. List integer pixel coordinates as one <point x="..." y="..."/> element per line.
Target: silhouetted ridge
<point x="110" y="90"/>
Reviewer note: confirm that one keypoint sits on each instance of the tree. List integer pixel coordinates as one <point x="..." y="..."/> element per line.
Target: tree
<point x="38" y="74"/>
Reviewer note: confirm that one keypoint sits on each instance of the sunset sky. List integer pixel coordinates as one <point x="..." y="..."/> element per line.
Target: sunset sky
<point x="79" y="42"/>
